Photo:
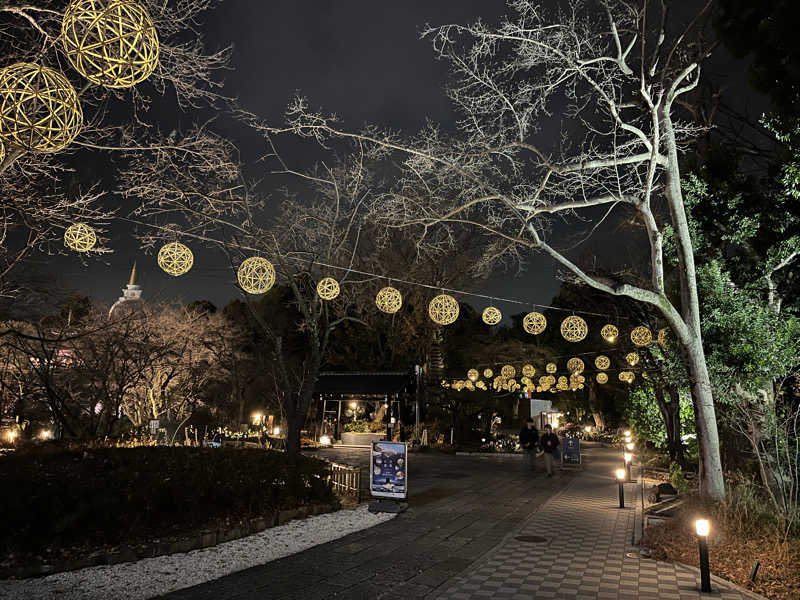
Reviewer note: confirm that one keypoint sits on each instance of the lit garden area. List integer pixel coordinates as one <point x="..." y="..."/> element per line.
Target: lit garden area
<point x="408" y="293"/>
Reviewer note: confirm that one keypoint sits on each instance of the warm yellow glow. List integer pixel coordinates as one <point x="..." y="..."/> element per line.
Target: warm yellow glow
<point x="175" y="258"/>
<point x="328" y="288"/>
<point x="443" y="309"/>
<point x="45" y="434"/>
<point x="256" y="275"/>
<point x="389" y="300"/>
<point x="473" y="374"/>
<point x="276" y="431"/>
<point x="11" y="435"/>
<point x="628" y="457"/>
<point x="574" y="328"/>
<point x="620" y="473"/>
<point x="354" y="405"/>
<point x="325" y="440"/>
<point x="588" y="428"/>
<point x="628" y="433"/>
<point x="491" y="315"/>
<point x="703" y="527"/>
<point x="80" y="237"/>
<point x="257" y="418"/>
<point x="534" y="323"/>
<point x="630" y="446"/>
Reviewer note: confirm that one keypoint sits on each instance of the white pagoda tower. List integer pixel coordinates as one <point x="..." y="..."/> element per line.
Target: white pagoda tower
<point x="131" y="293"/>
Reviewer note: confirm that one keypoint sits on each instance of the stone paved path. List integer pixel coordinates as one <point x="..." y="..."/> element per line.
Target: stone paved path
<point x="457" y="541"/>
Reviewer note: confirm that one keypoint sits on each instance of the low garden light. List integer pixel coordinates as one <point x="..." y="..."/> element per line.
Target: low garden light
<point x="258" y="418"/>
<point x="620" y="473"/>
<point x="703" y="527"/>
<point x="588" y="429"/>
<point x="45" y="434"/>
<point x="354" y="405"/>
<point x="628" y="457"/>
<point x="325" y="440"/>
<point x="276" y="431"/>
<point x="11" y="435"/>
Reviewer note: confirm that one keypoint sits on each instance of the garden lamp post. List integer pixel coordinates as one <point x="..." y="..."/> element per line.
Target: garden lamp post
<point x="702" y="526"/>
<point x="628" y="459"/>
<point x="621" y="480"/>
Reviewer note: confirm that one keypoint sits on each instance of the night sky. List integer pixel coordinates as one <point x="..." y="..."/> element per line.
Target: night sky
<point x="362" y="60"/>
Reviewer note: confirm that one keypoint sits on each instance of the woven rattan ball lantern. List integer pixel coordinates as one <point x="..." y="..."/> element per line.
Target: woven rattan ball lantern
<point x="551" y="380"/>
<point x="641" y="336"/>
<point x="534" y="323"/>
<point x="389" y="300"/>
<point x="443" y="309"/>
<point x="632" y="358"/>
<point x="328" y="288"/>
<point x="488" y="373"/>
<point x="256" y="275"/>
<point x="508" y="371"/>
<point x="626" y="376"/>
<point x="110" y="42"/>
<point x="551" y="367"/>
<point x="80" y="237"/>
<point x="575" y="365"/>
<point x="175" y="258"/>
<point x="602" y="362"/>
<point x="662" y="337"/>
<point x="528" y="370"/>
<point x="609" y="333"/>
<point x="574" y="328"/>
<point x="473" y="374"/>
<point x="491" y="315"/>
<point x="39" y="109"/>
<point x="602" y="378"/>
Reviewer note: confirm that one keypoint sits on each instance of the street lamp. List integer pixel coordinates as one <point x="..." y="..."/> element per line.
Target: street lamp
<point x="627" y="433"/>
<point x="703" y="527"/>
<point x="628" y="457"/>
<point x="630" y="446"/>
<point x="257" y="418"/>
<point x="620" y="473"/>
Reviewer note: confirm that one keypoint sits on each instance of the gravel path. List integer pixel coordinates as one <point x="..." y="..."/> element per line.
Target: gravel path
<point x="163" y="574"/>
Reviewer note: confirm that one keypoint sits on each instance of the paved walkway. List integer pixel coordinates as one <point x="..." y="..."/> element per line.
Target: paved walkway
<point x="458" y="541"/>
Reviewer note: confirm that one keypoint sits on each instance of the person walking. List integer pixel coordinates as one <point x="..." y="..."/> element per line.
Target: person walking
<point x="529" y="439"/>
<point x="549" y="443"/>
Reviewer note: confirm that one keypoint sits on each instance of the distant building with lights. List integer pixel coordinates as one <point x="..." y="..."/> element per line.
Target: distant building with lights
<point x="132" y="293"/>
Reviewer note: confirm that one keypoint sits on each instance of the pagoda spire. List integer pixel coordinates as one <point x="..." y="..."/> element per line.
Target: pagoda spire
<point x="133" y="275"/>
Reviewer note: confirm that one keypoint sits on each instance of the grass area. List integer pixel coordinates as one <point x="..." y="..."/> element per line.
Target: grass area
<point x="55" y="497"/>
<point x="743" y="531"/>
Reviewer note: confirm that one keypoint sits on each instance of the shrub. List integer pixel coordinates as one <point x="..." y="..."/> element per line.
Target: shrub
<point x="677" y="478"/>
<point x="60" y="497"/>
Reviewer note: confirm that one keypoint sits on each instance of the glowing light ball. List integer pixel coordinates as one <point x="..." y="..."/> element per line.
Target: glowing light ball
<point x="551" y="367"/>
<point x="575" y="365"/>
<point x="488" y="373"/>
<point x="39" y="108"/>
<point x="663" y="340"/>
<point x="528" y="370"/>
<point x="80" y="237"/>
<point x="443" y="309"/>
<point x="491" y="315"/>
<point x="641" y="336"/>
<point x="632" y="358"/>
<point x="508" y="371"/>
<point x="473" y="374"/>
<point x="389" y="300"/>
<point x="256" y="275"/>
<point x="328" y="288"/>
<point x="609" y="333"/>
<point x="534" y="323"/>
<point x="175" y="258"/>
<point x="574" y="328"/>
<point x="112" y="43"/>
<point x="602" y="378"/>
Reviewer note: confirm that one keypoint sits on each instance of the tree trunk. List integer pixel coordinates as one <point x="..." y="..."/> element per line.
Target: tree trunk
<point x="671" y="414"/>
<point x="712" y="483"/>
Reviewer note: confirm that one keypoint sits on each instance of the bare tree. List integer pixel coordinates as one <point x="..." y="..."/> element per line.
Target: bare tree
<point x="617" y="72"/>
<point x="41" y="193"/>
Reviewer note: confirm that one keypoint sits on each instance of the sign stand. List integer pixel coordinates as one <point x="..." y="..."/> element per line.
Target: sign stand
<point x="388" y="476"/>
<point x="571" y="453"/>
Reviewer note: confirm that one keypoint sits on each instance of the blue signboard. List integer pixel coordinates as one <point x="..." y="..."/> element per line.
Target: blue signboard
<point x="571" y="451"/>
<point x="388" y="466"/>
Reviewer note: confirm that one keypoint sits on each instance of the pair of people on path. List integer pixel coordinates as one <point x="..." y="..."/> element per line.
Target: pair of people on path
<point x="530" y="441"/>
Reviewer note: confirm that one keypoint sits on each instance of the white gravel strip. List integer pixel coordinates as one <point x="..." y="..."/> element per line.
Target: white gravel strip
<point x="163" y="574"/>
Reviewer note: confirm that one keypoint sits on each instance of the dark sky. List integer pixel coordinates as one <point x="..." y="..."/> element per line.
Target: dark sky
<point x="362" y="60"/>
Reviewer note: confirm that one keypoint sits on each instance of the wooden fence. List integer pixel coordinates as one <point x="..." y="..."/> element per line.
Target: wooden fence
<point x="345" y="480"/>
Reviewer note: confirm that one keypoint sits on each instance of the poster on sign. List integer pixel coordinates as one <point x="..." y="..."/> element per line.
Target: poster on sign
<point x="389" y="474"/>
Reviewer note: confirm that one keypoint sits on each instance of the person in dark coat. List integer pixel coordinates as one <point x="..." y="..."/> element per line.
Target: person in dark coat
<point x="529" y="439"/>
<point x="549" y="443"/>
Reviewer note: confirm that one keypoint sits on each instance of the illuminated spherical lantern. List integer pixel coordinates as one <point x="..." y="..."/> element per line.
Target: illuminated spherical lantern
<point x="443" y="309"/>
<point x="602" y="362"/>
<point x="641" y="336"/>
<point x="632" y="358"/>
<point x="551" y="367"/>
<point x="389" y="300"/>
<point x="609" y="333"/>
<point x="575" y="365"/>
<point x="551" y="380"/>
<point x="328" y="288"/>
<point x="508" y="371"/>
<point x="112" y="43"/>
<point x="256" y="275"/>
<point x="80" y="237"/>
<point x="528" y="370"/>
<point x="39" y="108"/>
<point x="175" y="258"/>
<point x="525" y="380"/>
<point x="473" y="374"/>
<point x="602" y="378"/>
<point x="469" y="385"/>
<point x="574" y="328"/>
<point x="626" y="376"/>
<point x="491" y="315"/>
<point x="534" y="323"/>
<point x="662" y="337"/>
<point x="487" y="373"/>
